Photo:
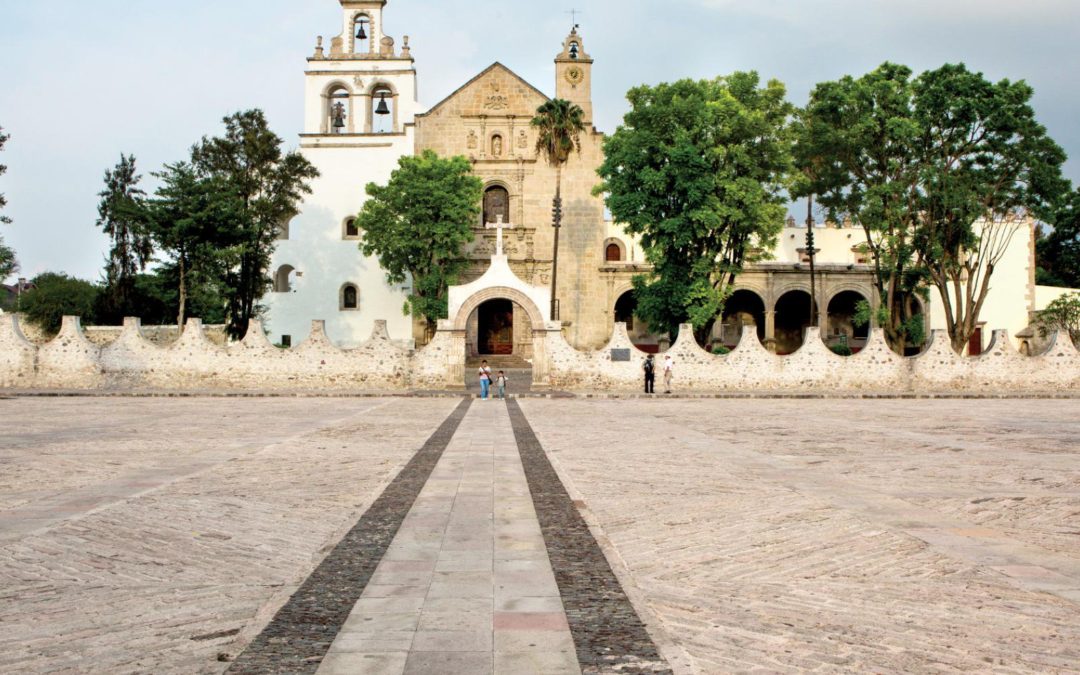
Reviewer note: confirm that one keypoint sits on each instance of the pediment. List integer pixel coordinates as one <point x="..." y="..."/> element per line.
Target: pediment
<point x="497" y="91"/>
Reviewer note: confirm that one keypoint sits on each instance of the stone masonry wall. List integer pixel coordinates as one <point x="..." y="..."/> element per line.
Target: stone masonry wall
<point x="195" y="363"/>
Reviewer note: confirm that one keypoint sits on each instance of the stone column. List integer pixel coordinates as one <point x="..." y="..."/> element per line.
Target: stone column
<point x="455" y="361"/>
<point x="770" y="330"/>
<point x="364" y="101"/>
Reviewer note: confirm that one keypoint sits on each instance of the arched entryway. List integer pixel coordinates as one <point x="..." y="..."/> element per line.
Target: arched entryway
<point x="641" y="335"/>
<point x="743" y="308"/>
<point x="504" y="327"/>
<point x="841" y="330"/>
<point x="793" y="317"/>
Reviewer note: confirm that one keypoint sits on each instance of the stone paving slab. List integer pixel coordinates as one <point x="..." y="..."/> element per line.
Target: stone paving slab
<point x="794" y="536"/>
<point x="470" y="567"/>
<point x="163" y="578"/>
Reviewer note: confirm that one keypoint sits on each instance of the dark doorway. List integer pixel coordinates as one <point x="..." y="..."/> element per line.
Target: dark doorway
<point x="743" y="308"/>
<point x="495" y="334"/>
<point x="975" y="343"/>
<point x="625" y="307"/>
<point x="793" y="317"/>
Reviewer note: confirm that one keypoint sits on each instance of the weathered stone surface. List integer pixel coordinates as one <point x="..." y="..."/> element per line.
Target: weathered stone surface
<point x="196" y="363"/>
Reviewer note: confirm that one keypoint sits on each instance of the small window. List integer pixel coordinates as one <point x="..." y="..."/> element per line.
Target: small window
<point x="286" y="341"/>
<point x="283" y="279"/>
<point x="349" y="297"/>
<point x="613" y="253"/>
<point x="352" y="231"/>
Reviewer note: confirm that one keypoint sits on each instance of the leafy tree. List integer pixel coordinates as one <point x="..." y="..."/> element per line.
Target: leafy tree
<point x="56" y="295"/>
<point x="417" y="225"/>
<point x="857" y="145"/>
<point x="699" y="170"/>
<point x="269" y="185"/>
<point x="131" y="249"/>
<point x="1059" y="250"/>
<point x="1063" y="314"/>
<point x="986" y="165"/>
<point x="8" y="264"/>
<point x="559" y="124"/>
<point x="197" y="221"/>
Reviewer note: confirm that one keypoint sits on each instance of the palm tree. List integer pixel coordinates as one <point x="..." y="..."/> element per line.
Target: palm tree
<point x="559" y="124"/>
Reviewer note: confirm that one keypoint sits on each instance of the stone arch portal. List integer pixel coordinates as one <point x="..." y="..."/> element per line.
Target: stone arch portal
<point x="529" y="322"/>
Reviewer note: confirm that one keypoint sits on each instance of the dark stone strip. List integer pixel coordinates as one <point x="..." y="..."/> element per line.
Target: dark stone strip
<point x="300" y="634"/>
<point x="608" y="634"/>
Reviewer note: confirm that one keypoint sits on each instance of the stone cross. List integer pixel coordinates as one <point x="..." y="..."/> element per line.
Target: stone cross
<point x="500" y="226"/>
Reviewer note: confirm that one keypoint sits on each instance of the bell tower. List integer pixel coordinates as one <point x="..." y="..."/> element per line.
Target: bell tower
<point x="573" y="74"/>
<point x="364" y="84"/>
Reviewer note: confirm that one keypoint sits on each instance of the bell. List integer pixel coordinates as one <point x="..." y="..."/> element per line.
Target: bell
<point x="361" y="34"/>
<point x="339" y="123"/>
<point x="574" y="50"/>
<point x="382" y="108"/>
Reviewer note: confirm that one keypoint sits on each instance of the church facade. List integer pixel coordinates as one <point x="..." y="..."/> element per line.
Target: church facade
<point x="362" y="115"/>
<point x="320" y="273"/>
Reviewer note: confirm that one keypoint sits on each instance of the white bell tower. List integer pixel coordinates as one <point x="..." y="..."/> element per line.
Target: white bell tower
<point x="362" y="82"/>
<point x="359" y="109"/>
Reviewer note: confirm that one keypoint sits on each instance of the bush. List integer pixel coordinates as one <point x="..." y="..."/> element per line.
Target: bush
<point x="841" y="350"/>
<point x="56" y="295"/>
<point x="1063" y="314"/>
<point x="720" y="350"/>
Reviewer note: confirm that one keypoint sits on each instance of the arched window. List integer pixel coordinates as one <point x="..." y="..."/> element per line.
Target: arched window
<point x="496" y="203"/>
<point x="337" y="110"/>
<point x="283" y="279"/>
<point x="383" y="114"/>
<point x="613" y="253"/>
<point x="350" y="297"/>
<point x="352" y="231"/>
<point x="361" y="34"/>
<point x="575" y="49"/>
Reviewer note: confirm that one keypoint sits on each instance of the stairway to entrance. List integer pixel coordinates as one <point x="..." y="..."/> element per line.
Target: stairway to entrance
<point x="518" y="372"/>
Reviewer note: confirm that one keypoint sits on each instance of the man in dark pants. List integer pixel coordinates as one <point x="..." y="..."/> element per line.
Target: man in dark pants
<point x="650" y="374"/>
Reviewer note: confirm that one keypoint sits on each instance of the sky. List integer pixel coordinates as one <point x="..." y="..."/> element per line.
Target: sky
<point x="83" y="82"/>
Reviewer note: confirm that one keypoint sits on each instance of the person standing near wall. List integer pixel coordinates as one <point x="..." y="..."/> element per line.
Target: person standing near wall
<point x="485" y="379"/>
<point x="500" y="384"/>
<point x="669" y="372"/>
<point x="650" y="374"/>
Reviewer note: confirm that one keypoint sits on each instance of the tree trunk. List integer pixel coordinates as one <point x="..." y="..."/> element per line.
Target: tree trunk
<point x="183" y="293"/>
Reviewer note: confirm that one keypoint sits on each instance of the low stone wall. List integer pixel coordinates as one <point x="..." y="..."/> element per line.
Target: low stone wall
<point x="194" y="362"/>
<point x="814" y="367"/>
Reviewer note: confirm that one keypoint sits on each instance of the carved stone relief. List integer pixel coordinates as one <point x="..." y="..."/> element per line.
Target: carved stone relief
<point x="472" y="140"/>
<point x="495" y="99"/>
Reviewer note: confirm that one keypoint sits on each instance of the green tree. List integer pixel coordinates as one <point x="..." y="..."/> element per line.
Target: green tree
<point x="1063" y="314"/>
<point x="57" y="295"/>
<point x="131" y="247"/>
<point x="417" y="225"/>
<point x="269" y="184"/>
<point x="198" y="223"/>
<point x="558" y="125"/>
<point x="1058" y="250"/>
<point x="699" y="170"/>
<point x="857" y="145"/>
<point x="8" y="264"/>
<point x="987" y="164"/>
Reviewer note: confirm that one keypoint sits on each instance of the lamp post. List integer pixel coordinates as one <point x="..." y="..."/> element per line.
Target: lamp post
<point x="556" y="221"/>
<point x="810" y="252"/>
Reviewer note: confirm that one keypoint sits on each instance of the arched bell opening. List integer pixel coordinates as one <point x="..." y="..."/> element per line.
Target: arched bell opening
<point x="383" y="114"/>
<point x="338" y="110"/>
<point x="362" y="35"/>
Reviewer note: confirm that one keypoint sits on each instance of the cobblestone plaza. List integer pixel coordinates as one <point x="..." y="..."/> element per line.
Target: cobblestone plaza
<point x="443" y="535"/>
